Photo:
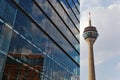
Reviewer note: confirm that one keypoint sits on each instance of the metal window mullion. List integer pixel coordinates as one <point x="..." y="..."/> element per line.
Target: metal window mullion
<point x="72" y="11"/>
<point x="69" y="17"/>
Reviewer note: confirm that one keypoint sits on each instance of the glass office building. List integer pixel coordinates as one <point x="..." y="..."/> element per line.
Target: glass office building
<point x="39" y="40"/>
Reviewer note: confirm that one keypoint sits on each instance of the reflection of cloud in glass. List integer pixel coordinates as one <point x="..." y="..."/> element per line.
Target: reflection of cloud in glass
<point x="51" y="30"/>
<point x="64" y="6"/>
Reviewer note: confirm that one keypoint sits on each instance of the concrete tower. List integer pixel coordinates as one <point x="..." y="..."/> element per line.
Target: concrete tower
<point x="90" y="35"/>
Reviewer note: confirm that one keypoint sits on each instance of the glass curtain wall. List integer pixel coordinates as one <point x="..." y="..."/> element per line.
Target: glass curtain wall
<point x="38" y="40"/>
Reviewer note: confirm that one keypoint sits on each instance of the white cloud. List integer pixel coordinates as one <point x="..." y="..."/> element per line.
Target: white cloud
<point x="85" y="4"/>
<point x="118" y="66"/>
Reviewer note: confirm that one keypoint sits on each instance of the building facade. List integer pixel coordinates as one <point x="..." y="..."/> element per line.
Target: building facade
<point x="39" y="40"/>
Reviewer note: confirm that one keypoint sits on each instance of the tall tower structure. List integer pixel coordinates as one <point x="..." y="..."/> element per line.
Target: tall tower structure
<point x="90" y="34"/>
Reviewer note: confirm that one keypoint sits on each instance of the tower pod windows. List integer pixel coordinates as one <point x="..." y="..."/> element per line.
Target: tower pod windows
<point x="90" y="34"/>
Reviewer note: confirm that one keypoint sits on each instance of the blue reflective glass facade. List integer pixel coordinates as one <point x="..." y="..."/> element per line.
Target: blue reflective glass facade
<point x="39" y="40"/>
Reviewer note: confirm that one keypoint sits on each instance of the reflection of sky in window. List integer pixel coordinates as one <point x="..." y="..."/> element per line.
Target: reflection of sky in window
<point x="76" y="1"/>
<point x="70" y="2"/>
<point x="65" y="3"/>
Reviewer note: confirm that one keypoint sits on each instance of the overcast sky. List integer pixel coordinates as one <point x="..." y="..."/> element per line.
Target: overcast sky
<point x="106" y="18"/>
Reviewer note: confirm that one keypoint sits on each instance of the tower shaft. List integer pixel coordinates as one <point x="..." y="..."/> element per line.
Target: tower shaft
<point x="91" y="67"/>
